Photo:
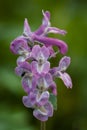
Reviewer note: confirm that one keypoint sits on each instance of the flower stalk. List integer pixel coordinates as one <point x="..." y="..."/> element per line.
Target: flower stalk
<point x="43" y="125"/>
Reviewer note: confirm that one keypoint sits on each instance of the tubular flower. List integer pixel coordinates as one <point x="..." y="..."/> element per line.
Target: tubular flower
<point x="34" y="67"/>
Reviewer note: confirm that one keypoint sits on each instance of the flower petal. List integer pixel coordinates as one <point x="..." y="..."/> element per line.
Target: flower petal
<point x="42" y="116"/>
<point x="43" y="98"/>
<point x="26" y="102"/>
<point x="49" y="108"/>
<point x="19" y="45"/>
<point x="64" y="63"/>
<point x="45" y="52"/>
<point x="28" y="83"/>
<point x="40" y="69"/>
<point x="27" y="30"/>
<point x="36" y="51"/>
<point x="55" y="30"/>
<point x="44" y="81"/>
<point x="24" y="67"/>
<point x="46" y="18"/>
<point x="66" y="79"/>
<point x="52" y="42"/>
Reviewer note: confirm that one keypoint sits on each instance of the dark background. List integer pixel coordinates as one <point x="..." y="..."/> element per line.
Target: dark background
<point x="70" y="15"/>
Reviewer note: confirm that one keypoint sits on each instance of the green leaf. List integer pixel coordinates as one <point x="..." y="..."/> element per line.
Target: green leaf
<point x="53" y="100"/>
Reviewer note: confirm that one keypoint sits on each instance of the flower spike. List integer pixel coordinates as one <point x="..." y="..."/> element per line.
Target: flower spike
<point x="35" y="49"/>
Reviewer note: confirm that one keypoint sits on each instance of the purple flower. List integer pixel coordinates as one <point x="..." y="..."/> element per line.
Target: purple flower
<point x="39" y="102"/>
<point x="28" y="79"/>
<point x="45" y="82"/>
<point x="44" y="112"/>
<point x="60" y="71"/>
<point x="40" y="55"/>
<point x="36" y="99"/>
<point x="19" y="46"/>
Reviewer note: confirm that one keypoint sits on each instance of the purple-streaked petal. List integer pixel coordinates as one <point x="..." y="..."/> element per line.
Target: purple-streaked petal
<point x="40" y="115"/>
<point x="19" y="45"/>
<point x="24" y="67"/>
<point x="27" y="30"/>
<point x="44" y="112"/>
<point x="49" y="108"/>
<point x="46" y="18"/>
<point x="28" y="83"/>
<point x="52" y="42"/>
<point x="44" y="81"/>
<point x="43" y="98"/>
<point x="45" y="52"/>
<point x="45" y="67"/>
<point x="40" y="53"/>
<point x="32" y="97"/>
<point x="26" y="102"/>
<point x="66" y="79"/>
<point x="56" y="30"/>
<point x="64" y="63"/>
<point x="48" y="83"/>
<point x="36" y="51"/>
<point x="38" y="69"/>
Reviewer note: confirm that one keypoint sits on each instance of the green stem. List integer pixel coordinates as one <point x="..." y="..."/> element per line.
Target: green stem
<point x="43" y="125"/>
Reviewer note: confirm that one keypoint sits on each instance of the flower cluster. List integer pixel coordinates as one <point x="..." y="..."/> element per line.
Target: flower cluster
<point x="33" y="66"/>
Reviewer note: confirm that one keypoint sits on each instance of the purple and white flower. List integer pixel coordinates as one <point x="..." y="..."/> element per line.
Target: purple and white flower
<point x="39" y="102"/>
<point x="45" y="82"/>
<point x="28" y="79"/>
<point x="60" y="71"/>
<point x="40" y="56"/>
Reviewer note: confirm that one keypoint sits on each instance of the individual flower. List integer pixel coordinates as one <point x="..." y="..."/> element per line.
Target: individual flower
<point x="60" y="71"/>
<point x="28" y="79"/>
<point x="39" y="102"/>
<point x="44" y="112"/>
<point x="45" y="82"/>
<point x="46" y="28"/>
<point x="19" y="46"/>
<point x="40" y="56"/>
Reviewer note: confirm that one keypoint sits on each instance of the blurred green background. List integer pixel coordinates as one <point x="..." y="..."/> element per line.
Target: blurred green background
<point x="70" y="15"/>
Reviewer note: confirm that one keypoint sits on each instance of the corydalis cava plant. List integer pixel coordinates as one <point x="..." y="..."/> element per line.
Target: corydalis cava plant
<point x="33" y="66"/>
